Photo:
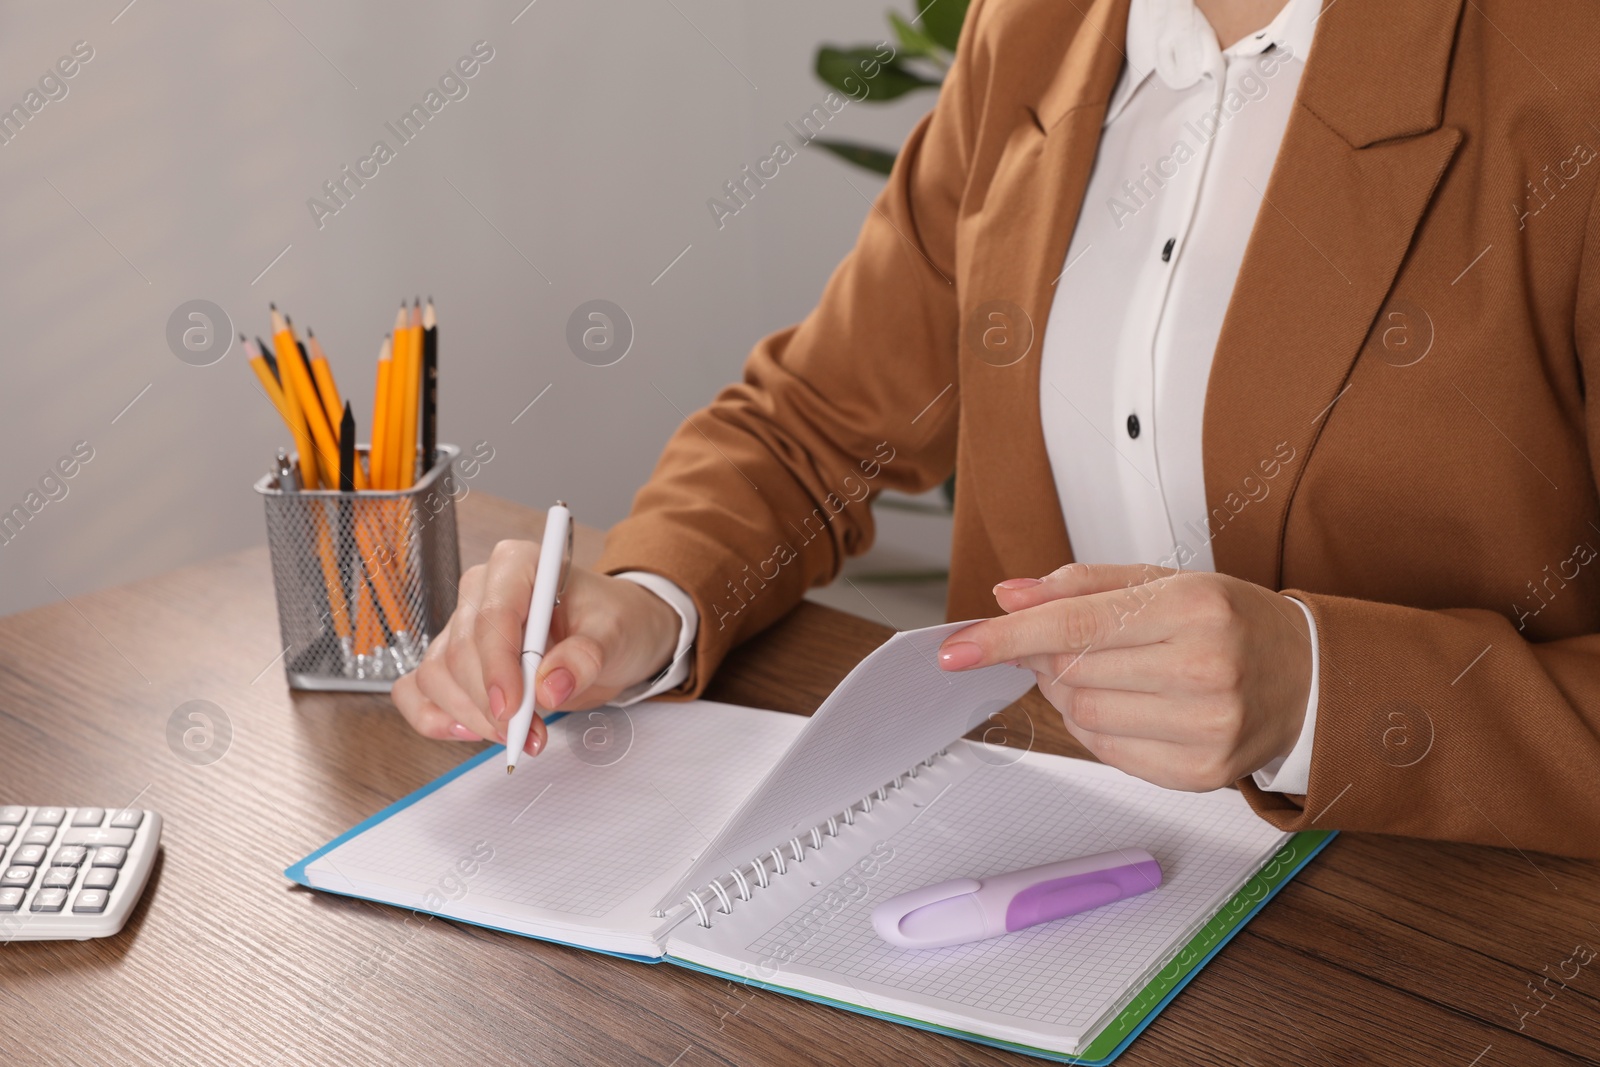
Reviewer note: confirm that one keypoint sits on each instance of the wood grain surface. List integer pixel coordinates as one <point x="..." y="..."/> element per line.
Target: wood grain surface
<point x="1384" y="951"/>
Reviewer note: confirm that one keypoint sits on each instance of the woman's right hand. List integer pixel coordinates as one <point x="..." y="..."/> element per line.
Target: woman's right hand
<point x="607" y="634"/>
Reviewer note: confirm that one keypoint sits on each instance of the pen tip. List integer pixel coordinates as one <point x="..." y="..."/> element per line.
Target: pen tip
<point x="510" y="769"/>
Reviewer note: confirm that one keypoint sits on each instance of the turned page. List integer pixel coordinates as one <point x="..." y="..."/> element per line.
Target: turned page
<point x="896" y="708"/>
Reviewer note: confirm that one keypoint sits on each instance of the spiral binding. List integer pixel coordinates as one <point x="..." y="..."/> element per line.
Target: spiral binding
<point x="721" y="899"/>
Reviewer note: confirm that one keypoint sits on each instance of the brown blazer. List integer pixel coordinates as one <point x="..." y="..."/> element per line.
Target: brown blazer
<point x="1413" y="325"/>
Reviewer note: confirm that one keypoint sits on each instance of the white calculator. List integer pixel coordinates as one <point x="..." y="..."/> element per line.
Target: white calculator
<point x="72" y="873"/>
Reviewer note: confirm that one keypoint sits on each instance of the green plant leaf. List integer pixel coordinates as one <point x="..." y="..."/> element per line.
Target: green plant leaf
<point x="861" y="75"/>
<point x="913" y="42"/>
<point x="880" y="160"/>
<point x="941" y="20"/>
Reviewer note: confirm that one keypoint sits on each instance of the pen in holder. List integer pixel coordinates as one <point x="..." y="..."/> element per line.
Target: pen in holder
<point x="364" y="580"/>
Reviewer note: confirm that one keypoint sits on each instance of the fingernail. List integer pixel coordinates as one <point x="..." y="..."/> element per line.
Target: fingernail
<point x="559" y="684"/>
<point x="535" y="743"/>
<point x="959" y="656"/>
<point x="497" y="702"/>
<point x="461" y="733"/>
<point x="1018" y="583"/>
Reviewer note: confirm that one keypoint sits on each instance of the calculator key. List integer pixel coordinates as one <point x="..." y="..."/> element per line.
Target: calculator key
<point x="12" y="815"/>
<point x="69" y="856"/>
<point x="127" y="818"/>
<point x="11" y="899"/>
<point x="113" y="838"/>
<point x="48" y="816"/>
<point x="90" y="902"/>
<point x="88" y="816"/>
<point x="28" y="856"/>
<point x="100" y="878"/>
<point x="60" y="877"/>
<point x="110" y="857"/>
<point x="21" y="877"/>
<point x="49" y="900"/>
<point x="39" y="835"/>
<point x="6" y="834"/>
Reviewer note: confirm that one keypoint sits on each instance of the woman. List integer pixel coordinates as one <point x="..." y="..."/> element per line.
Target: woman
<point x="1289" y="350"/>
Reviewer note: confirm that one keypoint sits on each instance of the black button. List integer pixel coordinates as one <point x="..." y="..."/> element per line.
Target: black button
<point x="1166" y="255"/>
<point x="1133" y="426"/>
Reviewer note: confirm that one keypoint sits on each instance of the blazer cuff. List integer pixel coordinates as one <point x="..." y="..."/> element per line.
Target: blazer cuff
<point x="676" y="672"/>
<point x="1292" y="773"/>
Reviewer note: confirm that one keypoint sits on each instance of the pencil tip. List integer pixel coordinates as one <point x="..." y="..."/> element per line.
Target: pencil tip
<point x="271" y="305"/>
<point x="310" y="332"/>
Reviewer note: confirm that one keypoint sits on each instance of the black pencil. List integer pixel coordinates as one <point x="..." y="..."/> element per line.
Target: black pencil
<point x="349" y="568"/>
<point x="272" y="360"/>
<point x="347" y="451"/>
<point x="430" y="385"/>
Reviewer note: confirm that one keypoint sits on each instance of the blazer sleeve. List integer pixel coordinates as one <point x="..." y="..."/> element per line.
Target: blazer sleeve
<point x="1508" y="752"/>
<point x="763" y="493"/>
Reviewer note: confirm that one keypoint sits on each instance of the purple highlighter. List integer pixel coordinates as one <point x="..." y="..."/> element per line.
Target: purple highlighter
<point x="966" y="909"/>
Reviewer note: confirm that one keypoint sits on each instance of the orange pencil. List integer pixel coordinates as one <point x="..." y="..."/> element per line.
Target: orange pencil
<point x="378" y="574"/>
<point x="322" y="374"/>
<point x="412" y="383"/>
<point x="338" y="609"/>
<point x="393" y="471"/>
<point x="297" y="377"/>
<point x="368" y="636"/>
<point x="283" y="342"/>
<point x="269" y="383"/>
<point x="377" y="570"/>
<point x="378" y="448"/>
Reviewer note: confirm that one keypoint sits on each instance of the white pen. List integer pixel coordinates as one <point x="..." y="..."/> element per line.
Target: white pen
<point x="549" y="579"/>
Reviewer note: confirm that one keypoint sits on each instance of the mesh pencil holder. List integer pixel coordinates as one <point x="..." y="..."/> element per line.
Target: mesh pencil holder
<point x="363" y="580"/>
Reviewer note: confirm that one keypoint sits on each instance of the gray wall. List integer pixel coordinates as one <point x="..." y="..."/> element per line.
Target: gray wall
<point x="178" y="166"/>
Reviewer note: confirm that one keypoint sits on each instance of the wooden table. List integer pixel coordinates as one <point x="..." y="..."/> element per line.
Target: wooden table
<point x="1383" y="951"/>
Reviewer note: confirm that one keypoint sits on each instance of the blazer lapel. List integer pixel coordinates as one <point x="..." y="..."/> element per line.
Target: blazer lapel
<point x="1363" y="153"/>
<point x="1020" y="237"/>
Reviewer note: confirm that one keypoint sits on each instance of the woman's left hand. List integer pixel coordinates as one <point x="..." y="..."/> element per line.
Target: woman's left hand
<point x="1187" y="679"/>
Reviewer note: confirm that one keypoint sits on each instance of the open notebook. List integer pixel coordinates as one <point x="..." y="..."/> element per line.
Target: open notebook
<point x="754" y="844"/>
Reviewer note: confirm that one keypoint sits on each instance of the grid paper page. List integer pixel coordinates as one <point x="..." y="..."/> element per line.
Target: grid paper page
<point x="1003" y="818"/>
<point x="893" y="710"/>
<point x="569" y="836"/>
